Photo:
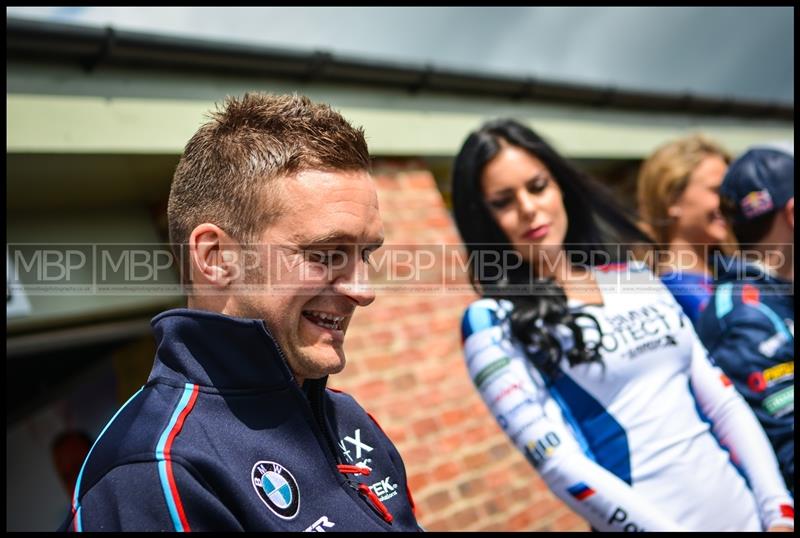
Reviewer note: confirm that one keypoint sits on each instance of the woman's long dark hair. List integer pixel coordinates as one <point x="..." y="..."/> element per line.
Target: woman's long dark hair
<point x="597" y="224"/>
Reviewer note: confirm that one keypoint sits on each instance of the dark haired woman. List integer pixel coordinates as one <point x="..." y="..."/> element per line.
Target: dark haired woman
<point x="586" y="360"/>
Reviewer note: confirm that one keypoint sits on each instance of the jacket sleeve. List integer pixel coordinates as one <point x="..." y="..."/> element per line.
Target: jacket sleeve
<point x="133" y="497"/>
<point x="737" y="428"/>
<point x="755" y="348"/>
<point x="523" y="407"/>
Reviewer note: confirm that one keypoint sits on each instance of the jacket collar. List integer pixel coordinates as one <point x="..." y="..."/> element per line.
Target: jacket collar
<point x="212" y="349"/>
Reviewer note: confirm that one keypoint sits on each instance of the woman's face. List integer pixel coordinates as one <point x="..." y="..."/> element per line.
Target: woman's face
<point x="696" y="211"/>
<point x="526" y="203"/>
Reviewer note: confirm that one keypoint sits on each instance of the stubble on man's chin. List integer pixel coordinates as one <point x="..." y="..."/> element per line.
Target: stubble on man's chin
<point x="312" y="367"/>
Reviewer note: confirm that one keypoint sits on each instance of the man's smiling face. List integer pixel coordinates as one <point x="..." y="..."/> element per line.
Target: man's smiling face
<point x="313" y="263"/>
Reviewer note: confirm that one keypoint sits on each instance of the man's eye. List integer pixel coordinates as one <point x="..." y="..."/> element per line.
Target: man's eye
<point x="328" y="257"/>
<point x="366" y="255"/>
<point x="317" y="256"/>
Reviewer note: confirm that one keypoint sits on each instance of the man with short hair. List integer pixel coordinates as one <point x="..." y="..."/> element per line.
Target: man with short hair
<point x="748" y="326"/>
<point x="273" y="214"/>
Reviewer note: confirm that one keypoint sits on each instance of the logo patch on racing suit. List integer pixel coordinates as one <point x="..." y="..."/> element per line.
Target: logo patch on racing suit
<point x="320" y="525"/>
<point x="277" y="488"/>
<point x="384" y="489"/>
<point x="354" y="449"/>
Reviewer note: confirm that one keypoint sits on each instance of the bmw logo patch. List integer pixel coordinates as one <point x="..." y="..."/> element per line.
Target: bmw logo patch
<point x="277" y="488"/>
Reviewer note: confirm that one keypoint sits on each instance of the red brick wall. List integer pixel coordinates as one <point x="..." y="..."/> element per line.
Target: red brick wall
<point x="405" y="366"/>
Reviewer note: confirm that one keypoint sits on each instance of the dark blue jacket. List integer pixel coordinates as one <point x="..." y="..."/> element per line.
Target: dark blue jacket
<point x="221" y="437"/>
<point x="691" y="290"/>
<point x="748" y="328"/>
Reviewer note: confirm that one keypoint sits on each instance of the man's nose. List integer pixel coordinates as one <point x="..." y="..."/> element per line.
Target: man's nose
<point x="354" y="284"/>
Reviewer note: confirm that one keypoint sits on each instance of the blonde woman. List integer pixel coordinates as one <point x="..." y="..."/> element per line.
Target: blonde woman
<point x="678" y="198"/>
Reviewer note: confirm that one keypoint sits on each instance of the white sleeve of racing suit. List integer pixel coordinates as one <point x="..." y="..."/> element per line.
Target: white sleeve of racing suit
<point x="519" y="400"/>
<point x="738" y="430"/>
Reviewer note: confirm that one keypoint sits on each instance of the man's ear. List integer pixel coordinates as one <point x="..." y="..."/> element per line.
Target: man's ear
<point x="212" y="255"/>
<point x="788" y="210"/>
